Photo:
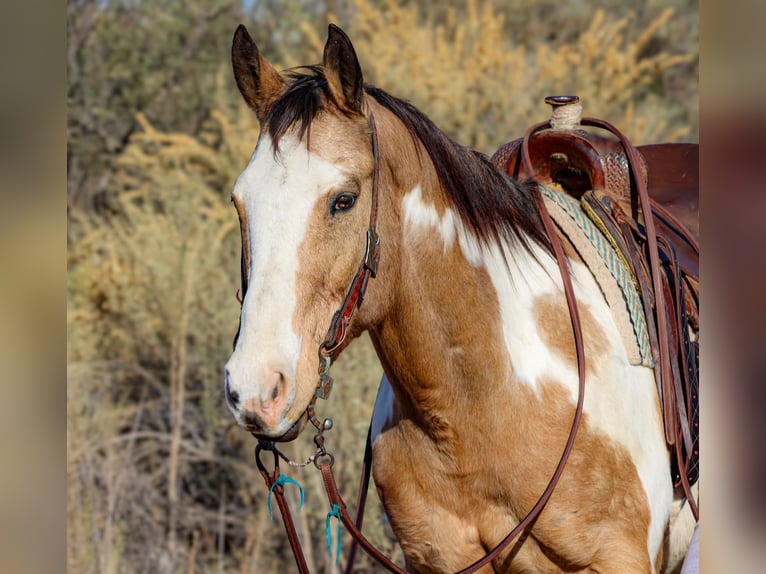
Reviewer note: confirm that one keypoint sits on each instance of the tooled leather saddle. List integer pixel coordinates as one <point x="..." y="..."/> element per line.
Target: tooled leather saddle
<point x="597" y="171"/>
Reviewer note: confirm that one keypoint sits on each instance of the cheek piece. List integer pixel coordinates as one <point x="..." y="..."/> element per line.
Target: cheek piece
<point x="336" y="333"/>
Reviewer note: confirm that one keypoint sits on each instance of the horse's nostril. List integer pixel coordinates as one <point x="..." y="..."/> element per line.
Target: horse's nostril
<point x="232" y="397"/>
<point x="279" y="383"/>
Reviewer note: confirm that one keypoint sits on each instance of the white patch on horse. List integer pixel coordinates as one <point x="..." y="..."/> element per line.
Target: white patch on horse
<point x="629" y="418"/>
<point x="279" y="194"/>
<point x="420" y="215"/>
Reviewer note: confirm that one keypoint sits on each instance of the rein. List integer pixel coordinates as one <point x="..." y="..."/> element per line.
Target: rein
<point x="335" y="336"/>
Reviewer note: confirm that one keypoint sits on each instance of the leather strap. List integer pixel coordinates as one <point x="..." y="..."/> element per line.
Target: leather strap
<point x="336" y="332"/>
<point x="663" y="351"/>
<point x="333" y="494"/>
<point x="361" y="499"/>
<point x="284" y="510"/>
<point x="663" y="253"/>
<point x="334" y="338"/>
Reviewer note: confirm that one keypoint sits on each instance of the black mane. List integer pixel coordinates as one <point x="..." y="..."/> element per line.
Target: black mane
<point x="492" y="205"/>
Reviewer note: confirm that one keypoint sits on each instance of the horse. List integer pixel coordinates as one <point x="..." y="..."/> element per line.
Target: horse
<point x="466" y="311"/>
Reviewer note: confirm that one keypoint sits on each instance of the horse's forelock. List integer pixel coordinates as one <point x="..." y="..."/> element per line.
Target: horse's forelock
<point x="299" y="105"/>
<point x="306" y="96"/>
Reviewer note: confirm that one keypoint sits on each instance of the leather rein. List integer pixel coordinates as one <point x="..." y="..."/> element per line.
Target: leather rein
<point x="336" y="334"/>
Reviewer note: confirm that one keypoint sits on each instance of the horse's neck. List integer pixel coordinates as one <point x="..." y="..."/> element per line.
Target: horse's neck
<point x="447" y="344"/>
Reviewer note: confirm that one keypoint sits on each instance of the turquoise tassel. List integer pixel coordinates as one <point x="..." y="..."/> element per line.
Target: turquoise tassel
<point x="281" y="481"/>
<point x="336" y="513"/>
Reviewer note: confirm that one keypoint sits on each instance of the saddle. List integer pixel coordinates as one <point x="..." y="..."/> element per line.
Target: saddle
<point x="598" y="172"/>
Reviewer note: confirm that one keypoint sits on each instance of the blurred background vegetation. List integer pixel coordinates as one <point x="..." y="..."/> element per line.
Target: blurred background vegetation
<point x="159" y="478"/>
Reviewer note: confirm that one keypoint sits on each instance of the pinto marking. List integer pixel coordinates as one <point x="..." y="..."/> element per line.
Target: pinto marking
<point x="419" y="214"/>
<point x="540" y="344"/>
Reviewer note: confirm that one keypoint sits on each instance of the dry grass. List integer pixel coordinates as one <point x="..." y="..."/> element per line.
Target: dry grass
<point x="159" y="479"/>
<point x="484" y="87"/>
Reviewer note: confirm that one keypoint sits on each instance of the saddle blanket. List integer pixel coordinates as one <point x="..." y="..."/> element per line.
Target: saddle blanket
<point x="608" y="267"/>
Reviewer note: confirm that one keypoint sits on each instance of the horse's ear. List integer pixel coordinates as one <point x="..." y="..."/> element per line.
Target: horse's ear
<point x="341" y="67"/>
<point x="257" y="80"/>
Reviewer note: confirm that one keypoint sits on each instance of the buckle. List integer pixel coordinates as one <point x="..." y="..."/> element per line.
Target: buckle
<point x="325" y="379"/>
<point x="372" y="252"/>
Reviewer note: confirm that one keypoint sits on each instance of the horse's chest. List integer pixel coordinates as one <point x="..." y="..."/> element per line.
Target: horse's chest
<point x="447" y="506"/>
<point x="430" y="513"/>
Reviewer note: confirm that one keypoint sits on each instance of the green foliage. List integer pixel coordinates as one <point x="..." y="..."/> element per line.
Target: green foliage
<point x="125" y="57"/>
<point x="159" y="477"/>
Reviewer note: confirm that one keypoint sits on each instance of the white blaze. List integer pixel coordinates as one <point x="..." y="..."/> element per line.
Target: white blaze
<point x="279" y="194"/>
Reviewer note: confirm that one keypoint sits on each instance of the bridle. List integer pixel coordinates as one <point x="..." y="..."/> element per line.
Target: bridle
<point x="336" y="333"/>
<point x="334" y="338"/>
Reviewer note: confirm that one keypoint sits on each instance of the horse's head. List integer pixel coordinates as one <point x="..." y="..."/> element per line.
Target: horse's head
<point x="304" y="203"/>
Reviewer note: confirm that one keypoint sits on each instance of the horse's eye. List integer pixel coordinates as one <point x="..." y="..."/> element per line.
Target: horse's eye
<point x="342" y="202"/>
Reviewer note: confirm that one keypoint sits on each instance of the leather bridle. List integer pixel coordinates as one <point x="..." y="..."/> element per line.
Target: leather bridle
<point x="336" y="333"/>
